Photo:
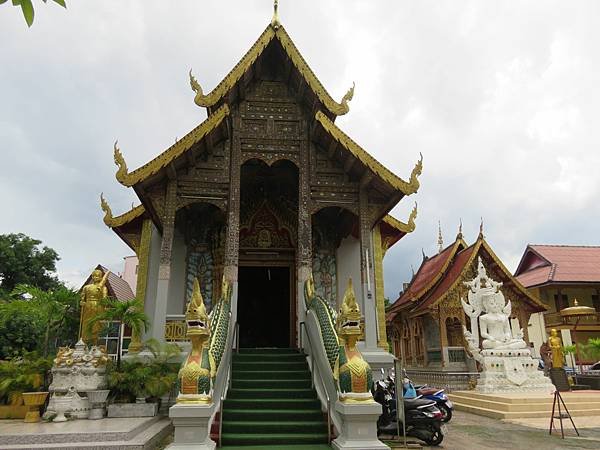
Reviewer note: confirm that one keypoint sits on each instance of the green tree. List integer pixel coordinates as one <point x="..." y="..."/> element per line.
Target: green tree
<point x="22" y="327"/>
<point x="27" y="8"/>
<point x="127" y="312"/>
<point x="34" y="319"/>
<point x="24" y="261"/>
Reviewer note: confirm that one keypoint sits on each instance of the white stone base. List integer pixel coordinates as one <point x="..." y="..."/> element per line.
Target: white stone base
<point x="506" y="371"/>
<point x="359" y="426"/>
<point x="192" y="427"/>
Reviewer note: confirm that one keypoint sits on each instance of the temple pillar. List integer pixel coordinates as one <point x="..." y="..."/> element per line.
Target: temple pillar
<point x="232" y="240"/>
<point x="304" y="253"/>
<point x="164" y="268"/>
<point x="143" y="254"/>
<point x="366" y="253"/>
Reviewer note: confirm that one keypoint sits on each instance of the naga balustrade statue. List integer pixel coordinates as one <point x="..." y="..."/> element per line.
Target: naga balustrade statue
<point x="196" y="375"/>
<point x="340" y="334"/>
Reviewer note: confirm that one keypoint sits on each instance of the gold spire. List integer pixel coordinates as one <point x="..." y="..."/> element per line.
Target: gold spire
<point x="481" y="228"/>
<point x="440" y="238"/>
<point x="275" y="23"/>
<point x="459" y="235"/>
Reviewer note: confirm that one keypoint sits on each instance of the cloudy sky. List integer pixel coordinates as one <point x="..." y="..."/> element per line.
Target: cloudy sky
<point x="500" y="97"/>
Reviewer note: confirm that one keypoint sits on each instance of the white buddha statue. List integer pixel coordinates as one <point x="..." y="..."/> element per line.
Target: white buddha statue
<point x="495" y="325"/>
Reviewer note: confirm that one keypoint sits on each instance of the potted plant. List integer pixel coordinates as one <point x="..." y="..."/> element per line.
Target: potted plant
<point x="25" y="377"/>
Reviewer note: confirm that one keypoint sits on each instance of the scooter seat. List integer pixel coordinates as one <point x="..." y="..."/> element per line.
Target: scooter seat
<point x="427" y="391"/>
<point x="414" y="403"/>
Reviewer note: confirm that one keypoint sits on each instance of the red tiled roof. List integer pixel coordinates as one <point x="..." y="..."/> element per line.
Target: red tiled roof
<point x="459" y="263"/>
<point x="117" y="287"/>
<point x="565" y="264"/>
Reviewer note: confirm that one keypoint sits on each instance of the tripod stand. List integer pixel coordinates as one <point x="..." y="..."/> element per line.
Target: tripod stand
<point x="561" y="415"/>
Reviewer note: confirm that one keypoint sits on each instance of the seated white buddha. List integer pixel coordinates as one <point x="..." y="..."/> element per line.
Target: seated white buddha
<point x="495" y="326"/>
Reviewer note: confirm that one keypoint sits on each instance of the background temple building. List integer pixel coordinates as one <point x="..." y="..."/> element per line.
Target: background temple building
<point x="558" y="275"/>
<point x="426" y="323"/>
<point x="265" y="191"/>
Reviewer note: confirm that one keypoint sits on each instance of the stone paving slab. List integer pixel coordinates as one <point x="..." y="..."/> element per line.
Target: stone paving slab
<point x="149" y="438"/>
<point x="121" y="429"/>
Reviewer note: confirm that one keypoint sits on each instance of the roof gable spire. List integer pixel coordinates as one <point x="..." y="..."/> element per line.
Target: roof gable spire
<point x="275" y="23"/>
<point x="440" y="240"/>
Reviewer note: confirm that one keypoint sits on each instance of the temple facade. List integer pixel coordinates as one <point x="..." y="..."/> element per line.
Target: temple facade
<point x="426" y="322"/>
<point x="264" y="192"/>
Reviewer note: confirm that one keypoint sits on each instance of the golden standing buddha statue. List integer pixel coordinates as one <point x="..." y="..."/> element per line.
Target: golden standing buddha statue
<point x="91" y="294"/>
<point x="555" y="343"/>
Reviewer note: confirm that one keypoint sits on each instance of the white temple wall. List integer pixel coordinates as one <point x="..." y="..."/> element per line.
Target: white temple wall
<point x="177" y="301"/>
<point x="348" y="265"/>
<point x="152" y="279"/>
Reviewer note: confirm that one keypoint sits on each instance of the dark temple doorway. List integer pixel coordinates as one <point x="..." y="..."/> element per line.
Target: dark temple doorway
<point x="264" y="306"/>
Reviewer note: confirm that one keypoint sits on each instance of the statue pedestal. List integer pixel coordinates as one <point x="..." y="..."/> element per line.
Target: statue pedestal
<point x="191" y="424"/>
<point x="511" y="371"/>
<point x="359" y="426"/>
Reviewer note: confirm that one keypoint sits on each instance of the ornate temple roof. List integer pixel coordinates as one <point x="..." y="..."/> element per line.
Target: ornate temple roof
<point x="547" y="264"/>
<point x="397" y="183"/>
<point x="440" y="274"/>
<point x="274" y="31"/>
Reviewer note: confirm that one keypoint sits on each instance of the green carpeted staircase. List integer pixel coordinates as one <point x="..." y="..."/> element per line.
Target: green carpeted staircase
<point x="271" y="402"/>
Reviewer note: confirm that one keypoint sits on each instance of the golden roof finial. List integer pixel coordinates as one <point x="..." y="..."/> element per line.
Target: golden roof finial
<point x="108" y="217"/>
<point x="481" y="228"/>
<point x="275" y="23"/>
<point x="459" y="235"/>
<point x="120" y="162"/>
<point x="440" y="238"/>
<point x="200" y="99"/>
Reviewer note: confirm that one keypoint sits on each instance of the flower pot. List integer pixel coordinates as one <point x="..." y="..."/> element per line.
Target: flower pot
<point x="97" y="400"/>
<point x="13" y="411"/>
<point x="33" y="401"/>
<point x="61" y="406"/>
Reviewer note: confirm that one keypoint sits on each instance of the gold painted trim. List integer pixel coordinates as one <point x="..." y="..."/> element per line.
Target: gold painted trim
<point x="179" y="148"/>
<point x="231" y="79"/>
<point x="114" y="222"/>
<point x="143" y="255"/>
<point x="401" y="226"/>
<point x="379" y="288"/>
<point x="516" y="282"/>
<point x="406" y="187"/>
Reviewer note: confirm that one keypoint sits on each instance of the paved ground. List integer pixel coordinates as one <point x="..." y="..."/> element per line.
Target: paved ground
<point x="468" y="431"/>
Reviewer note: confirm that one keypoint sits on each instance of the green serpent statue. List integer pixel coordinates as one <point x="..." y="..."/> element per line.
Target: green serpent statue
<point x="197" y="372"/>
<point x="352" y="373"/>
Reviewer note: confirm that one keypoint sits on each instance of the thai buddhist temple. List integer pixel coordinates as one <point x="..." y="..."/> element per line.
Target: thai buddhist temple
<point x="425" y="324"/>
<point x="563" y="276"/>
<point x="265" y="191"/>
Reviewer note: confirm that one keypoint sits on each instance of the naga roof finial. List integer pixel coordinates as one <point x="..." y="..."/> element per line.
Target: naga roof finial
<point x="120" y="162"/>
<point x="459" y="235"/>
<point x="275" y="23"/>
<point x="200" y="98"/>
<point x="440" y="238"/>
<point x="481" y="228"/>
<point x="346" y="98"/>
<point x="108" y="217"/>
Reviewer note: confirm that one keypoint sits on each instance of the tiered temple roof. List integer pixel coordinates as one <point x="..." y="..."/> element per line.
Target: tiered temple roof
<point x="274" y="42"/>
<point x="441" y="274"/>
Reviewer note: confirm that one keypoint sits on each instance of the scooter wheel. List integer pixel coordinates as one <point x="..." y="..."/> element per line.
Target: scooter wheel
<point x="446" y="413"/>
<point x="436" y="436"/>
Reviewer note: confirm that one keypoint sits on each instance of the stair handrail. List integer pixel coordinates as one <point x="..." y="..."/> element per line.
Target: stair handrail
<point x="312" y="379"/>
<point x="222" y="387"/>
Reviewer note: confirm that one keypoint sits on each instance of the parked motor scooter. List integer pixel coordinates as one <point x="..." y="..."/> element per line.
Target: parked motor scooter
<point x="422" y="418"/>
<point x="443" y="403"/>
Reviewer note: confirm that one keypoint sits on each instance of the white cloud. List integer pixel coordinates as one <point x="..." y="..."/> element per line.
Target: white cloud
<point x="500" y="97"/>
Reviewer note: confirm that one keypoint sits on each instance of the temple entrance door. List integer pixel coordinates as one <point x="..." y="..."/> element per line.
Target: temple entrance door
<point x="264" y="306"/>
